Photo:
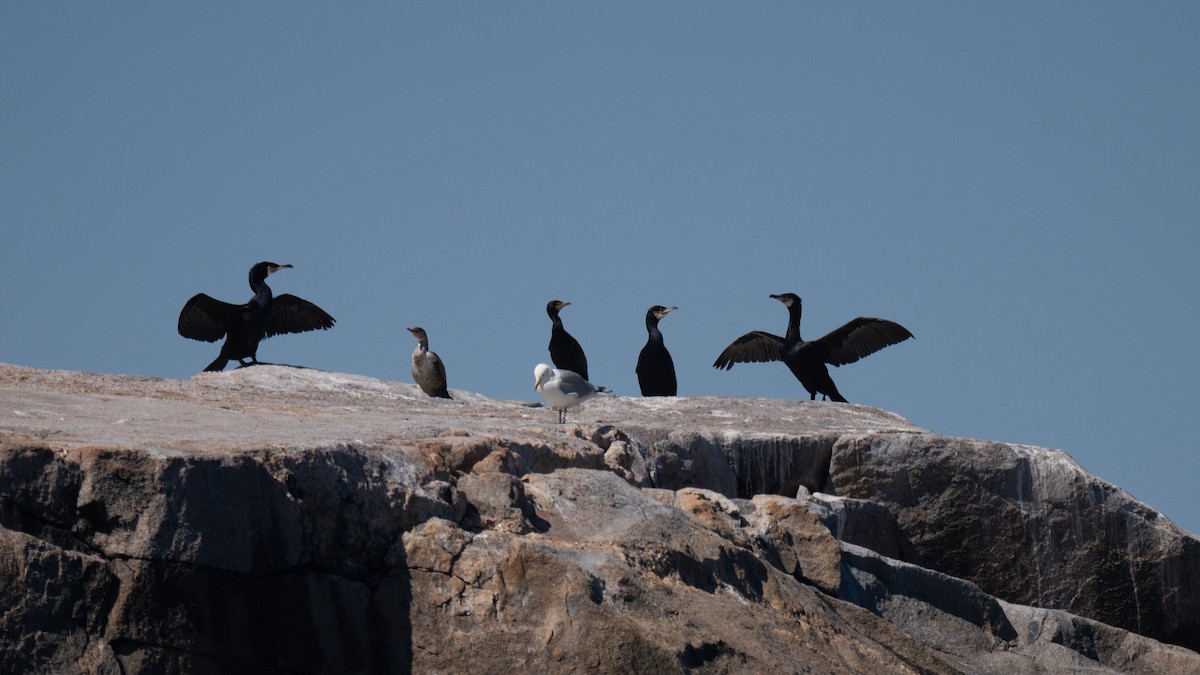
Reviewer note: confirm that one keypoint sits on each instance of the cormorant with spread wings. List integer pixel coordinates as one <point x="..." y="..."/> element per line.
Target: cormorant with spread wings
<point x="244" y="326"/>
<point x="806" y="359"/>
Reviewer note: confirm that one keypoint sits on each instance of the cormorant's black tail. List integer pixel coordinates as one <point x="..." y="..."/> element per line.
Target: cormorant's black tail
<point x="217" y="366"/>
<point x="835" y="396"/>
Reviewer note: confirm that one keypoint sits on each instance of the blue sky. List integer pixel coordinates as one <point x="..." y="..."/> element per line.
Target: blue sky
<point x="1016" y="183"/>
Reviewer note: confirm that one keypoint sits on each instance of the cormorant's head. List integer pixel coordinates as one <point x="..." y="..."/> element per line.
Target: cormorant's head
<point x="541" y="373"/>
<point x="659" y="311"/>
<point x="553" y="307"/>
<point x="418" y="333"/>
<point x="788" y="299"/>
<point x="266" y="269"/>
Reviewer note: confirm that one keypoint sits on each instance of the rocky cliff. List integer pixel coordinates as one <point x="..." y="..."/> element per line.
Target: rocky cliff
<point x="281" y="520"/>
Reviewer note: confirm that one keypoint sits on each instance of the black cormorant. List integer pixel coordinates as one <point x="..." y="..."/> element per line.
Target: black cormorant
<point x="428" y="371"/>
<point x="851" y="342"/>
<point x="565" y="351"/>
<point x="244" y="326"/>
<point x="655" y="369"/>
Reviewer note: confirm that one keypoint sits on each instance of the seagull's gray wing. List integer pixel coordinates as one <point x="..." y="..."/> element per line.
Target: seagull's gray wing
<point x="571" y="383"/>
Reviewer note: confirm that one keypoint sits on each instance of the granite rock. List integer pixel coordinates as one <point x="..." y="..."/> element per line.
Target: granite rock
<point x="281" y="520"/>
<point x="1030" y="526"/>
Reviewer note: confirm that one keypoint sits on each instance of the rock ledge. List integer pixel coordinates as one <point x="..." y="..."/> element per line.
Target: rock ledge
<point x="275" y="519"/>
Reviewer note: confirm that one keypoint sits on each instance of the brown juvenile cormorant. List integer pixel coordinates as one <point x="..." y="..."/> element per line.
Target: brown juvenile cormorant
<point x="244" y="326"/>
<point x="428" y="371"/>
<point x="565" y="351"/>
<point x="851" y="342"/>
<point x="655" y="369"/>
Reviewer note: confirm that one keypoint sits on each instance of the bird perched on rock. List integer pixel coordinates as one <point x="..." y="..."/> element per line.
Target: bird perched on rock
<point x="655" y="368"/>
<point x="562" y="389"/>
<point x="428" y="371"/>
<point x="851" y="342"/>
<point x="244" y="326"/>
<point x="565" y="351"/>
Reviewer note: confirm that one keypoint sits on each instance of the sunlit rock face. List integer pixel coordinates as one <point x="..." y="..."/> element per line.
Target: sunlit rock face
<point x="1026" y="524"/>
<point x="1029" y="525"/>
<point x="275" y="519"/>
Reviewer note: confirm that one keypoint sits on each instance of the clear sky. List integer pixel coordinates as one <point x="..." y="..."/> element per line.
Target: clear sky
<point x="1017" y="183"/>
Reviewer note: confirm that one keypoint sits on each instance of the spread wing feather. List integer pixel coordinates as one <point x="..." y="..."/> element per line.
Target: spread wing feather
<point x="290" y="314"/>
<point x="858" y="338"/>
<point x="753" y="347"/>
<point x="206" y="318"/>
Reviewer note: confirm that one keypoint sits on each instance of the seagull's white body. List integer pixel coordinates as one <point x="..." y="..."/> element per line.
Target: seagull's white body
<point x="562" y="389"/>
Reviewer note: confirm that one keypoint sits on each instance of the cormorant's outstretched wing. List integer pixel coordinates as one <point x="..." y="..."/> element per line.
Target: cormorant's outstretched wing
<point x="206" y="318"/>
<point x="753" y="347"/>
<point x="290" y="314"/>
<point x="858" y="338"/>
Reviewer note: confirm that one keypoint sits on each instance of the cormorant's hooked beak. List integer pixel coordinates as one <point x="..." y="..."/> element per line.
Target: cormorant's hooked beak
<point x="275" y="268"/>
<point x="666" y="311"/>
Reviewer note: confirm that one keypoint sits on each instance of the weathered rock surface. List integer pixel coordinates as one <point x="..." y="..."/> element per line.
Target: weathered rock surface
<point x="1029" y="525"/>
<point x="274" y="519"/>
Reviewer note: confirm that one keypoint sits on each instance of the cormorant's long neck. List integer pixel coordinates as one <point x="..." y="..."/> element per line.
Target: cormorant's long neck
<point x="258" y="284"/>
<point x="422" y="346"/>
<point x="793" y="331"/>
<point x="555" y="318"/>
<point x="652" y="328"/>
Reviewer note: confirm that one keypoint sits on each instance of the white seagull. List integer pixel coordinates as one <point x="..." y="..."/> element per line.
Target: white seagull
<point x="562" y="389"/>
